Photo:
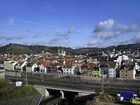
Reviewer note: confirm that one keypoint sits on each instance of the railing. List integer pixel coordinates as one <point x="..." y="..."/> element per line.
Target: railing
<point x="73" y="81"/>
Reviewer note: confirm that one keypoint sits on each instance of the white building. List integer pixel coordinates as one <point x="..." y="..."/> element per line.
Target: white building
<point x="61" y="52"/>
<point x="9" y="65"/>
<point x="21" y="66"/>
<point x="121" y="58"/>
<point x="68" y="70"/>
<point x="42" y="69"/>
<point x="137" y="67"/>
<point x="128" y="71"/>
<point x="112" y="73"/>
<point x="108" y="68"/>
<point x="34" y="66"/>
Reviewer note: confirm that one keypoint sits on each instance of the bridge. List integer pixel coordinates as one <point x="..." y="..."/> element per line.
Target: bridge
<point x="76" y="83"/>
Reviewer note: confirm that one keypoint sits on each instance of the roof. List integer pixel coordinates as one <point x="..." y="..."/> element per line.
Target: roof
<point x="128" y="66"/>
<point x="68" y="65"/>
<point x="90" y="65"/>
<point x="45" y="63"/>
<point x="110" y="64"/>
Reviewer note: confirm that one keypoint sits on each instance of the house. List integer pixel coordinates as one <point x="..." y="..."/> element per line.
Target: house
<point x="127" y="74"/>
<point x="52" y="69"/>
<point x="112" y="73"/>
<point x="112" y="69"/>
<point x="104" y="68"/>
<point x="21" y="66"/>
<point x="61" y="52"/>
<point x="127" y="71"/>
<point x="43" y="67"/>
<point x="137" y="68"/>
<point x="90" y="65"/>
<point x="35" y="67"/>
<point x="59" y="69"/>
<point x="77" y="70"/>
<point x="108" y="69"/>
<point x="9" y="65"/>
<point x="121" y="58"/>
<point x="68" y="70"/>
<point x="96" y="72"/>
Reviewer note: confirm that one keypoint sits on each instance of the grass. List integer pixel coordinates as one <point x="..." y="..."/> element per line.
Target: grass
<point x="9" y="91"/>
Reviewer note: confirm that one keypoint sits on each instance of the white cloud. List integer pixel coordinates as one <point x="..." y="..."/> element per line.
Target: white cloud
<point x="127" y="28"/>
<point x="104" y="25"/>
<point x="108" y="29"/>
<point x="107" y="35"/>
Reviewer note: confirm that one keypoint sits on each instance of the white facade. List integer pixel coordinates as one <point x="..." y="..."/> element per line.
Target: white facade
<point x="34" y="66"/>
<point x="9" y="65"/>
<point x="68" y="70"/>
<point x="42" y="69"/>
<point x="120" y="58"/>
<point x="137" y="67"/>
<point x="61" y="52"/>
<point x="112" y="73"/>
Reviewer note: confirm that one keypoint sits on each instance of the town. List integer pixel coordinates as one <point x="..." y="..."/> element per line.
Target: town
<point x="69" y="52"/>
<point x="103" y="65"/>
<point x="107" y="64"/>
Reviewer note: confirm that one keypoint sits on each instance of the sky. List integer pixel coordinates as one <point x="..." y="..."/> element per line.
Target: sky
<point x="70" y="23"/>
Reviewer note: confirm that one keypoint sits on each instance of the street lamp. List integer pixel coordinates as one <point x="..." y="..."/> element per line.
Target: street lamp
<point x="25" y="69"/>
<point x="15" y="69"/>
<point x="26" y="80"/>
<point x="102" y="83"/>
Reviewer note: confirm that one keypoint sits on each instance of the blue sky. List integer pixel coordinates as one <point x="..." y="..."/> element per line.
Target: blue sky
<point x="70" y="23"/>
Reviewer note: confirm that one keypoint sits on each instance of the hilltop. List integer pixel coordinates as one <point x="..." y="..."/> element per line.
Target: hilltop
<point x="28" y="49"/>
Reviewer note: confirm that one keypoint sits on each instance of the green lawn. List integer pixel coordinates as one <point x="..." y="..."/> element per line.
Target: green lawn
<point x="9" y="91"/>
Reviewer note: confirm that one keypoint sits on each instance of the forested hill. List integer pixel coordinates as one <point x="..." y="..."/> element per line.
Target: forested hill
<point x="28" y="49"/>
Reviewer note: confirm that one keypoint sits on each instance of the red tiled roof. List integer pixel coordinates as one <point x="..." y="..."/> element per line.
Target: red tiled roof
<point x="90" y="65"/>
<point x="45" y="64"/>
<point x="68" y="64"/>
